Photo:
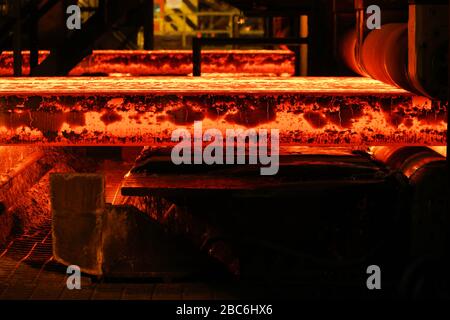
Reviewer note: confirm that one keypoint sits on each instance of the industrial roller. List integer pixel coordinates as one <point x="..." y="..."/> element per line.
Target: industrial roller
<point x="383" y="55"/>
<point x="402" y="55"/>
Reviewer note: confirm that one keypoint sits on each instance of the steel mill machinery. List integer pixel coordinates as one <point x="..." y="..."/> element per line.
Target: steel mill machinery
<point x="88" y="177"/>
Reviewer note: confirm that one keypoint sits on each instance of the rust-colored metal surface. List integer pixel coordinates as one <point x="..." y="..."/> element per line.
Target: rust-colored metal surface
<point x="145" y="110"/>
<point x="169" y="62"/>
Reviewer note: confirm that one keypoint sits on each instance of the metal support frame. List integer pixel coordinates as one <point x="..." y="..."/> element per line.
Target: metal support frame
<point x="33" y="31"/>
<point x="148" y="25"/>
<point x="268" y="24"/>
<point x="28" y="18"/>
<point x="17" y="38"/>
<point x="198" y="42"/>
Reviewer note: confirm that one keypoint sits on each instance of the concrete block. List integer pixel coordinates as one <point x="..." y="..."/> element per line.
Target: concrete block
<point x="77" y="208"/>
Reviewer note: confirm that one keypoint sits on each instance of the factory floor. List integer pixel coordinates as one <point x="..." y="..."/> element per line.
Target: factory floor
<point x="28" y="271"/>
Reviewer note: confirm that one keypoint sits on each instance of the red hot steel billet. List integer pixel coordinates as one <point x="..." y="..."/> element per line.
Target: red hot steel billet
<point x="146" y="110"/>
<point x="168" y="62"/>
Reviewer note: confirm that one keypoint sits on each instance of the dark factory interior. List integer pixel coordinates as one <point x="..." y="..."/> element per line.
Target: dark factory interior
<point x="224" y="149"/>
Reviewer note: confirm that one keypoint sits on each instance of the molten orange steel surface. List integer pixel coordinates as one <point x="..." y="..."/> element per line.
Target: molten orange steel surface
<point x="168" y="62"/>
<point x="145" y="111"/>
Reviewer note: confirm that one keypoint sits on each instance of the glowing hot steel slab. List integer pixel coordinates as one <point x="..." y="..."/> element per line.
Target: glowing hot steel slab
<point x="145" y="111"/>
<point x="168" y="62"/>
